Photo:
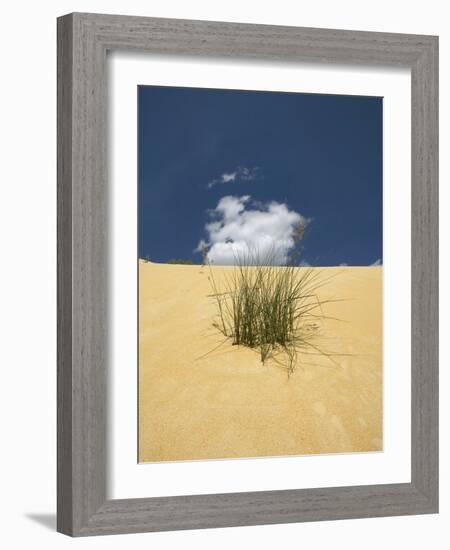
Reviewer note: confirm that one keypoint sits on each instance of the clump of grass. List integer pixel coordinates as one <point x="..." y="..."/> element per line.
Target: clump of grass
<point x="269" y="308"/>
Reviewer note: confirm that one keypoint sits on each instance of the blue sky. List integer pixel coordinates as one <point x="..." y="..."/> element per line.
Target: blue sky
<point x="230" y="169"/>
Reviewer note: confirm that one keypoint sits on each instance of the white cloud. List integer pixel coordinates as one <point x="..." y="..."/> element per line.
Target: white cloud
<point x="376" y="262"/>
<point x="240" y="228"/>
<point x="343" y="264"/>
<point x="228" y="177"/>
<point x="240" y="174"/>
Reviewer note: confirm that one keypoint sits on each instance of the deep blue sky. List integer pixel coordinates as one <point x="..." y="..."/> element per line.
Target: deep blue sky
<point x="321" y="155"/>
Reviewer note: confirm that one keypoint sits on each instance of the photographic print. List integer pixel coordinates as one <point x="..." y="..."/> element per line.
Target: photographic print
<point x="260" y="269"/>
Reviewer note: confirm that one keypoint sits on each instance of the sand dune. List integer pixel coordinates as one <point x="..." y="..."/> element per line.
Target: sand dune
<point x="202" y="398"/>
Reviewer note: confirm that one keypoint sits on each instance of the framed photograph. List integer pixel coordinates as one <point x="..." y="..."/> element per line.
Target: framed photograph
<point x="247" y="274"/>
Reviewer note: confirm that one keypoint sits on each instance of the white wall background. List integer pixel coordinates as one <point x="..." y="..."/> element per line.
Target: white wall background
<point x="28" y="270"/>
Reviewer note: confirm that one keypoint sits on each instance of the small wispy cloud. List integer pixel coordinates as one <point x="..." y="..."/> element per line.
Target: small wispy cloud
<point x="343" y="264"/>
<point x="376" y="262"/>
<point x="241" y="173"/>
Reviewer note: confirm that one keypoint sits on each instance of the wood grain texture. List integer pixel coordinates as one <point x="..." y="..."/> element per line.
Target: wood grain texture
<point x="64" y="298"/>
<point x="424" y="274"/>
<point x="83" y="318"/>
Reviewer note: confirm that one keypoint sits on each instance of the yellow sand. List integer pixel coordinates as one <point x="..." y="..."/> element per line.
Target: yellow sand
<point x="196" y="403"/>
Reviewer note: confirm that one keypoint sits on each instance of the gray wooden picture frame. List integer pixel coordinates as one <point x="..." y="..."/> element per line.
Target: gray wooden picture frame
<point x="83" y="41"/>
